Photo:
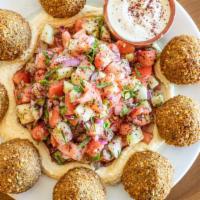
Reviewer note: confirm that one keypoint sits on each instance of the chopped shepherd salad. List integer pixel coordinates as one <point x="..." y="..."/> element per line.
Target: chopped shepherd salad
<point x="85" y="95"/>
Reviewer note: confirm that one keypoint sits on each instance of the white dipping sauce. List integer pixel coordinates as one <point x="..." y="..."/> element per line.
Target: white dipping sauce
<point x="138" y="20"/>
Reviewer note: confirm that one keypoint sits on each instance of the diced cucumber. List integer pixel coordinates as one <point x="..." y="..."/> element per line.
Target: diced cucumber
<point x="130" y="57"/>
<point x="135" y="136"/>
<point x="74" y="95"/>
<point x="157" y="100"/>
<point x="152" y="82"/>
<point x="146" y="104"/>
<point x="64" y="72"/>
<point x="142" y="93"/>
<point x="84" y="112"/>
<point x="115" y="147"/>
<point x="25" y="114"/>
<point x="68" y="86"/>
<point x="47" y="35"/>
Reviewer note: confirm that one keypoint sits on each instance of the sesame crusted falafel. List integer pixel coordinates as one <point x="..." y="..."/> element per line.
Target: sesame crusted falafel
<point x="180" y="60"/>
<point x="178" y="121"/>
<point x="147" y="175"/>
<point x="4" y="101"/>
<point x="15" y="35"/>
<point x="62" y="8"/>
<point x="20" y="166"/>
<point x="5" y="197"/>
<point x="79" y="183"/>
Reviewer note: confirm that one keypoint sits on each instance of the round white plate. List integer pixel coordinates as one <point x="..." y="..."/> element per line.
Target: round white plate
<point x="181" y="158"/>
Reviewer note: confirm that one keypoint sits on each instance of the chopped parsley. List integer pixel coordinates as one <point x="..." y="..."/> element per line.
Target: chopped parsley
<point x="85" y="142"/>
<point x="106" y="125"/>
<point x="44" y="82"/>
<point x="128" y="93"/>
<point x="125" y="110"/>
<point x="50" y="73"/>
<point x="138" y="74"/>
<point x="78" y="89"/>
<point x="103" y="85"/>
<point x="93" y="51"/>
<point x="47" y="57"/>
<point x="85" y="68"/>
<point x="63" y="110"/>
<point x="97" y="157"/>
<point x="58" y="157"/>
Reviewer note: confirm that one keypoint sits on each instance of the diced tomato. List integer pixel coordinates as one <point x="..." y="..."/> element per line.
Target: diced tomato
<point x="40" y="61"/>
<point x="73" y="122"/>
<point x="23" y="95"/>
<point x="147" y="57"/>
<point x="39" y="75"/>
<point x="69" y="105"/>
<point x="144" y="73"/>
<point x="39" y="133"/>
<point x="21" y="76"/>
<point x="102" y="60"/>
<point x="56" y="89"/>
<point x="54" y="117"/>
<point x="94" y="147"/>
<point x="125" y="129"/>
<point x="70" y="150"/>
<point x="54" y="142"/>
<point x="147" y="137"/>
<point x="79" y="24"/>
<point x="125" y="48"/>
<point x="66" y="38"/>
<point x="139" y="111"/>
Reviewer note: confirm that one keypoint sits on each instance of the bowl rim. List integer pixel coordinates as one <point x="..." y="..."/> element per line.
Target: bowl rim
<point x="142" y="43"/>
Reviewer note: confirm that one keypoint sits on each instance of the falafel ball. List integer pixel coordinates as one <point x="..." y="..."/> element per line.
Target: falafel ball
<point x="5" y="197"/>
<point x="178" y="121"/>
<point x="79" y="183"/>
<point x="63" y="8"/>
<point x="15" y="35"/>
<point x="147" y="175"/>
<point x="4" y="101"/>
<point x="180" y="60"/>
<point x="20" y="166"/>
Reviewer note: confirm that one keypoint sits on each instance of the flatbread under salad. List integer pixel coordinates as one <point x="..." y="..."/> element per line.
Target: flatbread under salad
<point x="82" y="97"/>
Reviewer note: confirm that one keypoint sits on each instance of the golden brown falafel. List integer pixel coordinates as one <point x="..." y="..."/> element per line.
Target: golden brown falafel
<point x="79" y="183"/>
<point x="15" y="35"/>
<point x="4" y="101"/>
<point x="180" y="60"/>
<point x="63" y="8"/>
<point x="20" y="166"/>
<point x="147" y="175"/>
<point x="178" y="121"/>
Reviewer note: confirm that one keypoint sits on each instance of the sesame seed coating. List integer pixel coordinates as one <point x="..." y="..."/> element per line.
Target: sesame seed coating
<point x="62" y="8"/>
<point x="147" y="176"/>
<point x="15" y="35"/>
<point x="20" y="166"/>
<point x="178" y="121"/>
<point x="4" y="101"/>
<point x="79" y="184"/>
<point x="180" y="60"/>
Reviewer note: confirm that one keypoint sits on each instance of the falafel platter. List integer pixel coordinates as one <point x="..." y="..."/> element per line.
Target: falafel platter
<point x="88" y="109"/>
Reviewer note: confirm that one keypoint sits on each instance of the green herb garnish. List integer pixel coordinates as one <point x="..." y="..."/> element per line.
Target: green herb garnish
<point x="125" y="110"/>
<point x="97" y="157"/>
<point x="50" y="73"/>
<point x="63" y="110"/>
<point x="103" y="85"/>
<point x="78" y="89"/>
<point x="87" y="68"/>
<point x="58" y="157"/>
<point x="93" y="51"/>
<point x="44" y="82"/>
<point x="106" y="125"/>
<point x="85" y="142"/>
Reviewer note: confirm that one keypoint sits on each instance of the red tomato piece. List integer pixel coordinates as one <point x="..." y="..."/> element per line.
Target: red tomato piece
<point x="139" y="111"/>
<point x="69" y="105"/>
<point x="23" y="95"/>
<point x="70" y="150"/>
<point x="40" y="61"/>
<point x="39" y="75"/>
<point x="54" y="117"/>
<point x="94" y="147"/>
<point x="147" y="57"/>
<point x="56" y="89"/>
<point x="125" y="48"/>
<point x="54" y="143"/>
<point x="143" y="73"/>
<point x="21" y="76"/>
<point x="147" y="137"/>
<point x="39" y="133"/>
<point x="125" y="129"/>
